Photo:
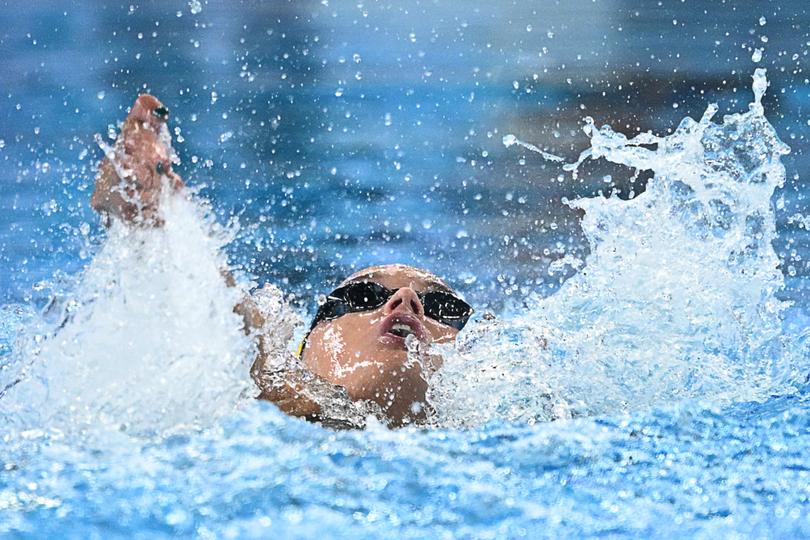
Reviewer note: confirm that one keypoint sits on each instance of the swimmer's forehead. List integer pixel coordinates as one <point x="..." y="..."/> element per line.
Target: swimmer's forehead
<point x="395" y="276"/>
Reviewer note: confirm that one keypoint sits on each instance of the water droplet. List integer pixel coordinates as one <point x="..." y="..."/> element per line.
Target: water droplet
<point x="762" y="21"/>
<point x="225" y="137"/>
<point x="757" y="55"/>
<point x="760" y="84"/>
<point x="339" y="92"/>
<point x="101" y="95"/>
<point x="177" y="516"/>
<point x="194" y="6"/>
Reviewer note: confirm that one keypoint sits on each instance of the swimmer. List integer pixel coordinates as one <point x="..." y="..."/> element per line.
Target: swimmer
<point x="367" y="350"/>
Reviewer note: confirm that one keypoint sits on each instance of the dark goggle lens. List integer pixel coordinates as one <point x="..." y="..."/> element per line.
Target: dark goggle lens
<point x="446" y="308"/>
<point x="363" y="295"/>
<point x="440" y="306"/>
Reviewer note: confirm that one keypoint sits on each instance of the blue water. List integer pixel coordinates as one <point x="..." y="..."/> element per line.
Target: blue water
<point x="691" y="472"/>
<point x="344" y="134"/>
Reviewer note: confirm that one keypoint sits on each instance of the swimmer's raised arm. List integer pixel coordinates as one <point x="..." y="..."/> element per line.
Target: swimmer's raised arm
<point x="131" y="180"/>
<point x="138" y="167"/>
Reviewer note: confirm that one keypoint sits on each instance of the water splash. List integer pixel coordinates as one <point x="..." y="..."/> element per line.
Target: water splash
<point x="677" y="299"/>
<point x="149" y="341"/>
<point x="511" y="140"/>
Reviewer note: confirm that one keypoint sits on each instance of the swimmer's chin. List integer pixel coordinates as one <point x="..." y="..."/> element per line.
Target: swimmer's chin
<point x="394" y="383"/>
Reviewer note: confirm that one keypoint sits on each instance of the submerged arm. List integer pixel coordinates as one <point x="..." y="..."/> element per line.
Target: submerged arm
<point x="283" y="379"/>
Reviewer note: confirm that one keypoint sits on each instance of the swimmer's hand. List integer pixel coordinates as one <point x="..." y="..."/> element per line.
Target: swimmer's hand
<point x="138" y="168"/>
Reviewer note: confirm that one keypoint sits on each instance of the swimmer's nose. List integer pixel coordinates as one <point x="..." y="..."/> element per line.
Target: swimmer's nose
<point x="405" y="299"/>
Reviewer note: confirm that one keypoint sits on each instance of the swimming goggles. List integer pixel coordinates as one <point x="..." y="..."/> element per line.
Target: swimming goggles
<point x="441" y="306"/>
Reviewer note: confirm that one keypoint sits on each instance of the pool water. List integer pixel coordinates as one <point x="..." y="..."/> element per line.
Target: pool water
<point x="646" y="371"/>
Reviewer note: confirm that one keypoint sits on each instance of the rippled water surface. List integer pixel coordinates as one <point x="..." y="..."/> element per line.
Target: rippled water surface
<point x="730" y="472"/>
<point x="646" y="370"/>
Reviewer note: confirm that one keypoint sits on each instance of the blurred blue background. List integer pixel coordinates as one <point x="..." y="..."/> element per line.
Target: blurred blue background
<point x="343" y="133"/>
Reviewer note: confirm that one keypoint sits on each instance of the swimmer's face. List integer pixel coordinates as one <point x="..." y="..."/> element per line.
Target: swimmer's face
<point x="367" y="351"/>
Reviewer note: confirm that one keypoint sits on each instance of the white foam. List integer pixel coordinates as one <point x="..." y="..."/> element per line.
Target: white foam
<point x="677" y="299"/>
<point x="153" y="343"/>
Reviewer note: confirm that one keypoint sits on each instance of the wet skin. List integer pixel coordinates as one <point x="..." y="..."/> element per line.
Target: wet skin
<point x="363" y="355"/>
<point x="133" y="175"/>
<point x="366" y="354"/>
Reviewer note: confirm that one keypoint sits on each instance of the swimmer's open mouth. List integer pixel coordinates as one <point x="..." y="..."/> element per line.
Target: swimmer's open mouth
<point x="401" y="330"/>
<point x="396" y="328"/>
